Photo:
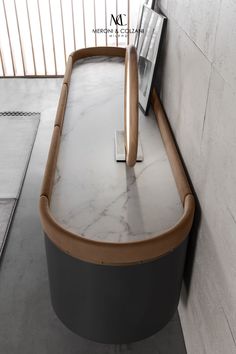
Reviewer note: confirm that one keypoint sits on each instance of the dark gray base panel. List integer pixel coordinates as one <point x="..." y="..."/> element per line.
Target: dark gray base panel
<point x="115" y="304"/>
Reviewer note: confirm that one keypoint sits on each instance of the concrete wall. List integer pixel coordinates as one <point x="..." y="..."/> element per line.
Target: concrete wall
<point x="198" y="90"/>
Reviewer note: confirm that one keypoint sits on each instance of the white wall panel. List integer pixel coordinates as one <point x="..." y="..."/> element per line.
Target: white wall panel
<point x="198" y="90"/>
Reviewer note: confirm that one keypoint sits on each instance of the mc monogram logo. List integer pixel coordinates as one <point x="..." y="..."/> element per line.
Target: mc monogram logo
<point x="118" y="20"/>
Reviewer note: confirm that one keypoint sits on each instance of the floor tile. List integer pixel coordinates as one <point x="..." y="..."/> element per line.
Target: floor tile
<point x="17" y="135"/>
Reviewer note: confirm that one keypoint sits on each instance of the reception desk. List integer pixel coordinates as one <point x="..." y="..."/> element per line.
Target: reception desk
<point x="116" y="236"/>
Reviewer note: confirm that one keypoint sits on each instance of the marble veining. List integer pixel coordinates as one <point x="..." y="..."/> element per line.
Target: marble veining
<point x="93" y="195"/>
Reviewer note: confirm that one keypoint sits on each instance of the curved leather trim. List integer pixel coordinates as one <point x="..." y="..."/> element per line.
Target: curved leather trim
<point x="69" y="66"/>
<point x="116" y="253"/>
<point x="96" y="51"/>
<point x="51" y="163"/>
<point x="172" y="153"/>
<point x="61" y="106"/>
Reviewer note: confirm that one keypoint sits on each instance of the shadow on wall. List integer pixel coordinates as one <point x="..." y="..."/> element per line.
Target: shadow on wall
<point x="197" y="218"/>
<point x="191" y="250"/>
<point x="193" y="235"/>
<point x="160" y="58"/>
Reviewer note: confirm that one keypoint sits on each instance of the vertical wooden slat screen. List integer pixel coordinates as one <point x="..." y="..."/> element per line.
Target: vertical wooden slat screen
<point x="69" y="28"/>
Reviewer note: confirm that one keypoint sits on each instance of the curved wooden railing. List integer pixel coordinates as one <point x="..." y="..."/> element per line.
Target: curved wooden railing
<point x="131" y="106"/>
<point x="112" y="253"/>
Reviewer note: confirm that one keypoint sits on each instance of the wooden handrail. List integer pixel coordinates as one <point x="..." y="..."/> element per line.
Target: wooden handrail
<point x="131" y="106"/>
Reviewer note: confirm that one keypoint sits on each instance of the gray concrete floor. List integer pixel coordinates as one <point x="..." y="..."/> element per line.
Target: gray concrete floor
<point x="27" y="321"/>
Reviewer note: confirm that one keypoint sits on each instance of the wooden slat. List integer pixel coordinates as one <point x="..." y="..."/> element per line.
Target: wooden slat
<point x="53" y="40"/>
<point x="9" y="38"/>
<point x="84" y="24"/>
<point x="31" y="38"/>
<point x="42" y="41"/>
<point x="19" y="35"/>
<point x="63" y="31"/>
<point x="2" y="63"/>
<point x="73" y="23"/>
<point x="95" y="24"/>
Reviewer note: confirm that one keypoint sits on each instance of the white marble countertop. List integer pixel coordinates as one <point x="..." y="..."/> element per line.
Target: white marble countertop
<point x="93" y="195"/>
